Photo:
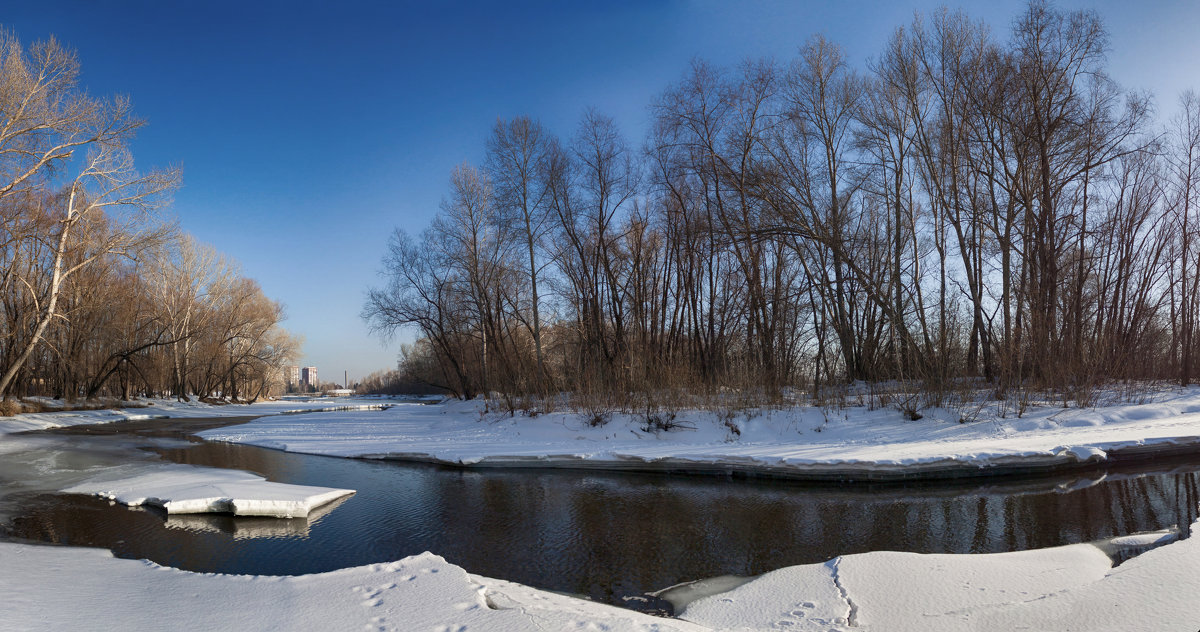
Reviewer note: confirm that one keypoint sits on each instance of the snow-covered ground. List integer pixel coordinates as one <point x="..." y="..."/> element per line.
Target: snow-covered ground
<point x="1062" y="588"/>
<point x="1065" y="588"/>
<point x="58" y="588"/>
<point x="852" y="442"/>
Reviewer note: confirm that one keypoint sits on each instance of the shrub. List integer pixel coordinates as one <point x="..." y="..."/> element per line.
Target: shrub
<point x="10" y="407"/>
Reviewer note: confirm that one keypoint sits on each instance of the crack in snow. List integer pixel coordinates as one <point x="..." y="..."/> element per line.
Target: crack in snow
<point x="535" y="620"/>
<point x="852" y="608"/>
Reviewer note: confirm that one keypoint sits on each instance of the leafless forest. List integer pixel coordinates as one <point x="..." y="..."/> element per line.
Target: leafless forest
<point x="99" y="293"/>
<point x="970" y="206"/>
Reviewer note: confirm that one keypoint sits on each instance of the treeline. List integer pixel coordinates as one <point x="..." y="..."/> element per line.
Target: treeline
<point x="962" y="206"/>
<point x="99" y="294"/>
<point x="391" y="382"/>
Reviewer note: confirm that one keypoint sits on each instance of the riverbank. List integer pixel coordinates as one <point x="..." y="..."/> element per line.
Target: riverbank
<point x="844" y="444"/>
<point x="1064" y="588"/>
<point x="61" y="588"/>
<point x="1061" y="589"/>
<point x="810" y="443"/>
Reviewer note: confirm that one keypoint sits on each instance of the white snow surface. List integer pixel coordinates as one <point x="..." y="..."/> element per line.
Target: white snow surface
<point x="59" y="588"/>
<point x="803" y="441"/>
<point x="179" y="489"/>
<point x="1065" y="588"/>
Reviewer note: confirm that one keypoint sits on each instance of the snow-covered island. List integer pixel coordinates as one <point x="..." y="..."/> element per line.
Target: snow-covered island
<point x="1074" y="587"/>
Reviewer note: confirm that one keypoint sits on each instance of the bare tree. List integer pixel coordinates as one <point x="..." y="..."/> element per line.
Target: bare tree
<point x="1064" y="113"/>
<point x="1184" y="181"/>
<point x="517" y="154"/>
<point x="187" y="280"/>
<point x="969" y="207"/>
<point x="49" y="119"/>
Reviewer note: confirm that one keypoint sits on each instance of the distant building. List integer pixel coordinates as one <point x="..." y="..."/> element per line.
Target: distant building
<point x="291" y="376"/>
<point x="308" y="376"/>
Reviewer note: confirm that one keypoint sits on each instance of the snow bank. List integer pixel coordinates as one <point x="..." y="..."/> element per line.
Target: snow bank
<point x="189" y="490"/>
<point x="1058" y="589"/>
<point x="59" y="588"/>
<point x="1063" y="588"/>
<point x="803" y="442"/>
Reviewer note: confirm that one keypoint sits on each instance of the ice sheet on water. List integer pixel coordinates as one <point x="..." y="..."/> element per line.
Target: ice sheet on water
<point x="179" y="489"/>
<point x="248" y="528"/>
<point x="38" y="464"/>
<point x="680" y="595"/>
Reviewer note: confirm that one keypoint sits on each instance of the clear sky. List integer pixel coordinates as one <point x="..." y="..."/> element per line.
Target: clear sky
<point x="308" y="131"/>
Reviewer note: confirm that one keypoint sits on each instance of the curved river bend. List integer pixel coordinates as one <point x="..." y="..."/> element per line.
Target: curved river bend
<point x="608" y="536"/>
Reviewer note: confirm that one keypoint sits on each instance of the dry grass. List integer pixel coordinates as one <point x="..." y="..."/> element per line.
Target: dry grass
<point x="10" y="407"/>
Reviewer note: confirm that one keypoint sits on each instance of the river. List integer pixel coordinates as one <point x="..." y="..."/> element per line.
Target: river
<point x="611" y="537"/>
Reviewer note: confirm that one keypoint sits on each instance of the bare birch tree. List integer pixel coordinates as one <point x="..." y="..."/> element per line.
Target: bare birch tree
<point x="51" y="126"/>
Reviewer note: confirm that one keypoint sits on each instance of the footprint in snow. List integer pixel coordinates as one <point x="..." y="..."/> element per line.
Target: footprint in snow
<point x="371" y="594"/>
<point x="796" y="616"/>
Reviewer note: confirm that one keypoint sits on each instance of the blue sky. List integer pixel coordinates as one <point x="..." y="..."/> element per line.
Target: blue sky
<point x="308" y="131"/>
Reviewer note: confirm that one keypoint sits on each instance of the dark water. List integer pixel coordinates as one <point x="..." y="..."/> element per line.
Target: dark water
<point x="611" y="537"/>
